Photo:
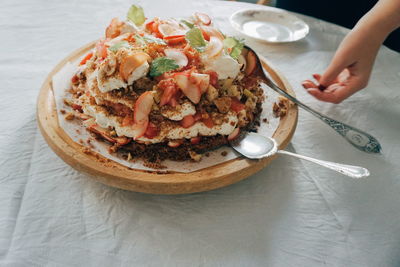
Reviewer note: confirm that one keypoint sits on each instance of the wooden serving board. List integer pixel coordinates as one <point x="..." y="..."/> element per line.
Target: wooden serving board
<point x="117" y="175"/>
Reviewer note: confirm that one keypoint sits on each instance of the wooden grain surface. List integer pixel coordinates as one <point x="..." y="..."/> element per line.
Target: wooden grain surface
<point x="117" y="175"/>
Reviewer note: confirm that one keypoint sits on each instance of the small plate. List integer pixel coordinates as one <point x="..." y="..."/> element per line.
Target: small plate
<point x="272" y="25"/>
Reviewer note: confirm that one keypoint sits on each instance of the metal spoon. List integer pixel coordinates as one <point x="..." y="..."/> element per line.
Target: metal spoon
<point x="358" y="138"/>
<point x="255" y="146"/>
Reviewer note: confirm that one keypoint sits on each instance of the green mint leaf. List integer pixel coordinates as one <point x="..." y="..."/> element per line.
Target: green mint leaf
<point x="161" y="65"/>
<point x="187" y="23"/>
<point x="119" y="45"/>
<point x="153" y="39"/>
<point x="233" y="45"/>
<point x="195" y="39"/>
<point x="136" y="15"/>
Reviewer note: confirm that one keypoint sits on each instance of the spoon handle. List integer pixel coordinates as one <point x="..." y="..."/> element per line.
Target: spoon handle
<point x="349" y="170"/>
<point x="358" y="138"/>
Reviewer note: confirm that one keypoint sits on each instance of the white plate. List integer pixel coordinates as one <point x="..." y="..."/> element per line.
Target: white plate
<point x="271" y="25"/>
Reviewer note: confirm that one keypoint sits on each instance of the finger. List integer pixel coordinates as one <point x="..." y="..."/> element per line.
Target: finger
<point x="309" y="84"/>
<point x="336" y="93"/>
<point x="317" y="76"/>
<point x="333" y="71"/>
<point x="325" y="96"/>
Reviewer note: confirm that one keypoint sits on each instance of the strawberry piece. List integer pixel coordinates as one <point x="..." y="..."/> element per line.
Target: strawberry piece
<point x="151" y="131"/>
<point x="77" y="107"/>
<point x="251" y="63"/>
<point x="195" y="140"/>
<point x="236" y="105"/>
<point x="192" y="91"/>
<point x="142" y="110"/>
<point x="187" y="121"/>
<point x="234" y="134"/>
<point x="213" y="78"/>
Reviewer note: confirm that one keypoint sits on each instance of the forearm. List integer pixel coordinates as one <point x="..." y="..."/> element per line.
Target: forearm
<point x="381" y="20"/>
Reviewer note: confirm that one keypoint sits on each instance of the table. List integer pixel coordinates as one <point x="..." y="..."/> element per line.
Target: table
<point x="292" y="213"/>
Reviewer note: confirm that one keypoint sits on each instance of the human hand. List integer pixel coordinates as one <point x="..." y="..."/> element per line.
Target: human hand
<point x="349" y="70"/>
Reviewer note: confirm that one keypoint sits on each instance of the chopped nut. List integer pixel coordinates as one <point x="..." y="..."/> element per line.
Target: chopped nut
<point x="195" y="156"/>
<point x="129" y="157"/>
<point x="212" y="93"/>
<point x="234" y="91"/>
<point x="223" y="104"/>
<point x="69" y="116"/>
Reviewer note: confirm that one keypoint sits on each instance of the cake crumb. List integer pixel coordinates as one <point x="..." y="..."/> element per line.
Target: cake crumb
<point x="69" y="116"/>
<point x="224" y="153"/>
<point x="265" y="120"/>
<point x="63" y="111"/>
<point x="207" y="154"/>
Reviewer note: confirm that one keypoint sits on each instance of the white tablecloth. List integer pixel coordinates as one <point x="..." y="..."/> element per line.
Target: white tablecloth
<point x="292" y="213"/>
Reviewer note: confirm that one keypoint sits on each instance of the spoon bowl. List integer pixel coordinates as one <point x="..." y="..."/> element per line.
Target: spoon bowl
<point x="256" y="146"/>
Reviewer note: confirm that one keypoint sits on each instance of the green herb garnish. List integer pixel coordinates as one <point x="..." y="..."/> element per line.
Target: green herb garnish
<point x="161" y="65"/>
<point x="149" y="39"/>
<point x="195" y="39"/>
<point x="119" y="45"/>
<point x="233" y="45"/>
<point x="187" y="23"/>
<point x="136" y="15"/>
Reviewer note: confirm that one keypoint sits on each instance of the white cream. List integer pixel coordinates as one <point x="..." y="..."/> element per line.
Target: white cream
<point x="139" y="72"/>
<point x="180" y="111"/>
<point x="224" y="65"/>
<point x="115" y="82"/>
<point x="199" y="128"/>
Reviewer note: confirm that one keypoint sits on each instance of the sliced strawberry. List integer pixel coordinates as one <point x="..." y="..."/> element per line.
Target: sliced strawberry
<point x="187" y="121"/>
<point x="234" y="134"/>
<point x="208" y="122"/>
<point x="251" y="63"/>
<point x="75" y="79"/>
<point x="209" y="31"/>
<point x="192" y="91"/>
<point x="214" y="47"/>
<point x="86" y="58"/>
<point x="131" y="62"/>
<point x="177" y="55"/>
<point x="197" y="116"/>
<point x="77" y="107"/>
<point x="175" y="143"/>
<point x="151" y="131"/>
<point x="195" y="140"/>
<point x="169" y="90"/>
<point x="142" y="110"/>
<point x="202" y="18"/>
<point x="202" y="81"/>
<point x="236" y="105"/>
<point x="213" y="78"/>
<point x="143" y="107"/>
<point x="101" y="49"/>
